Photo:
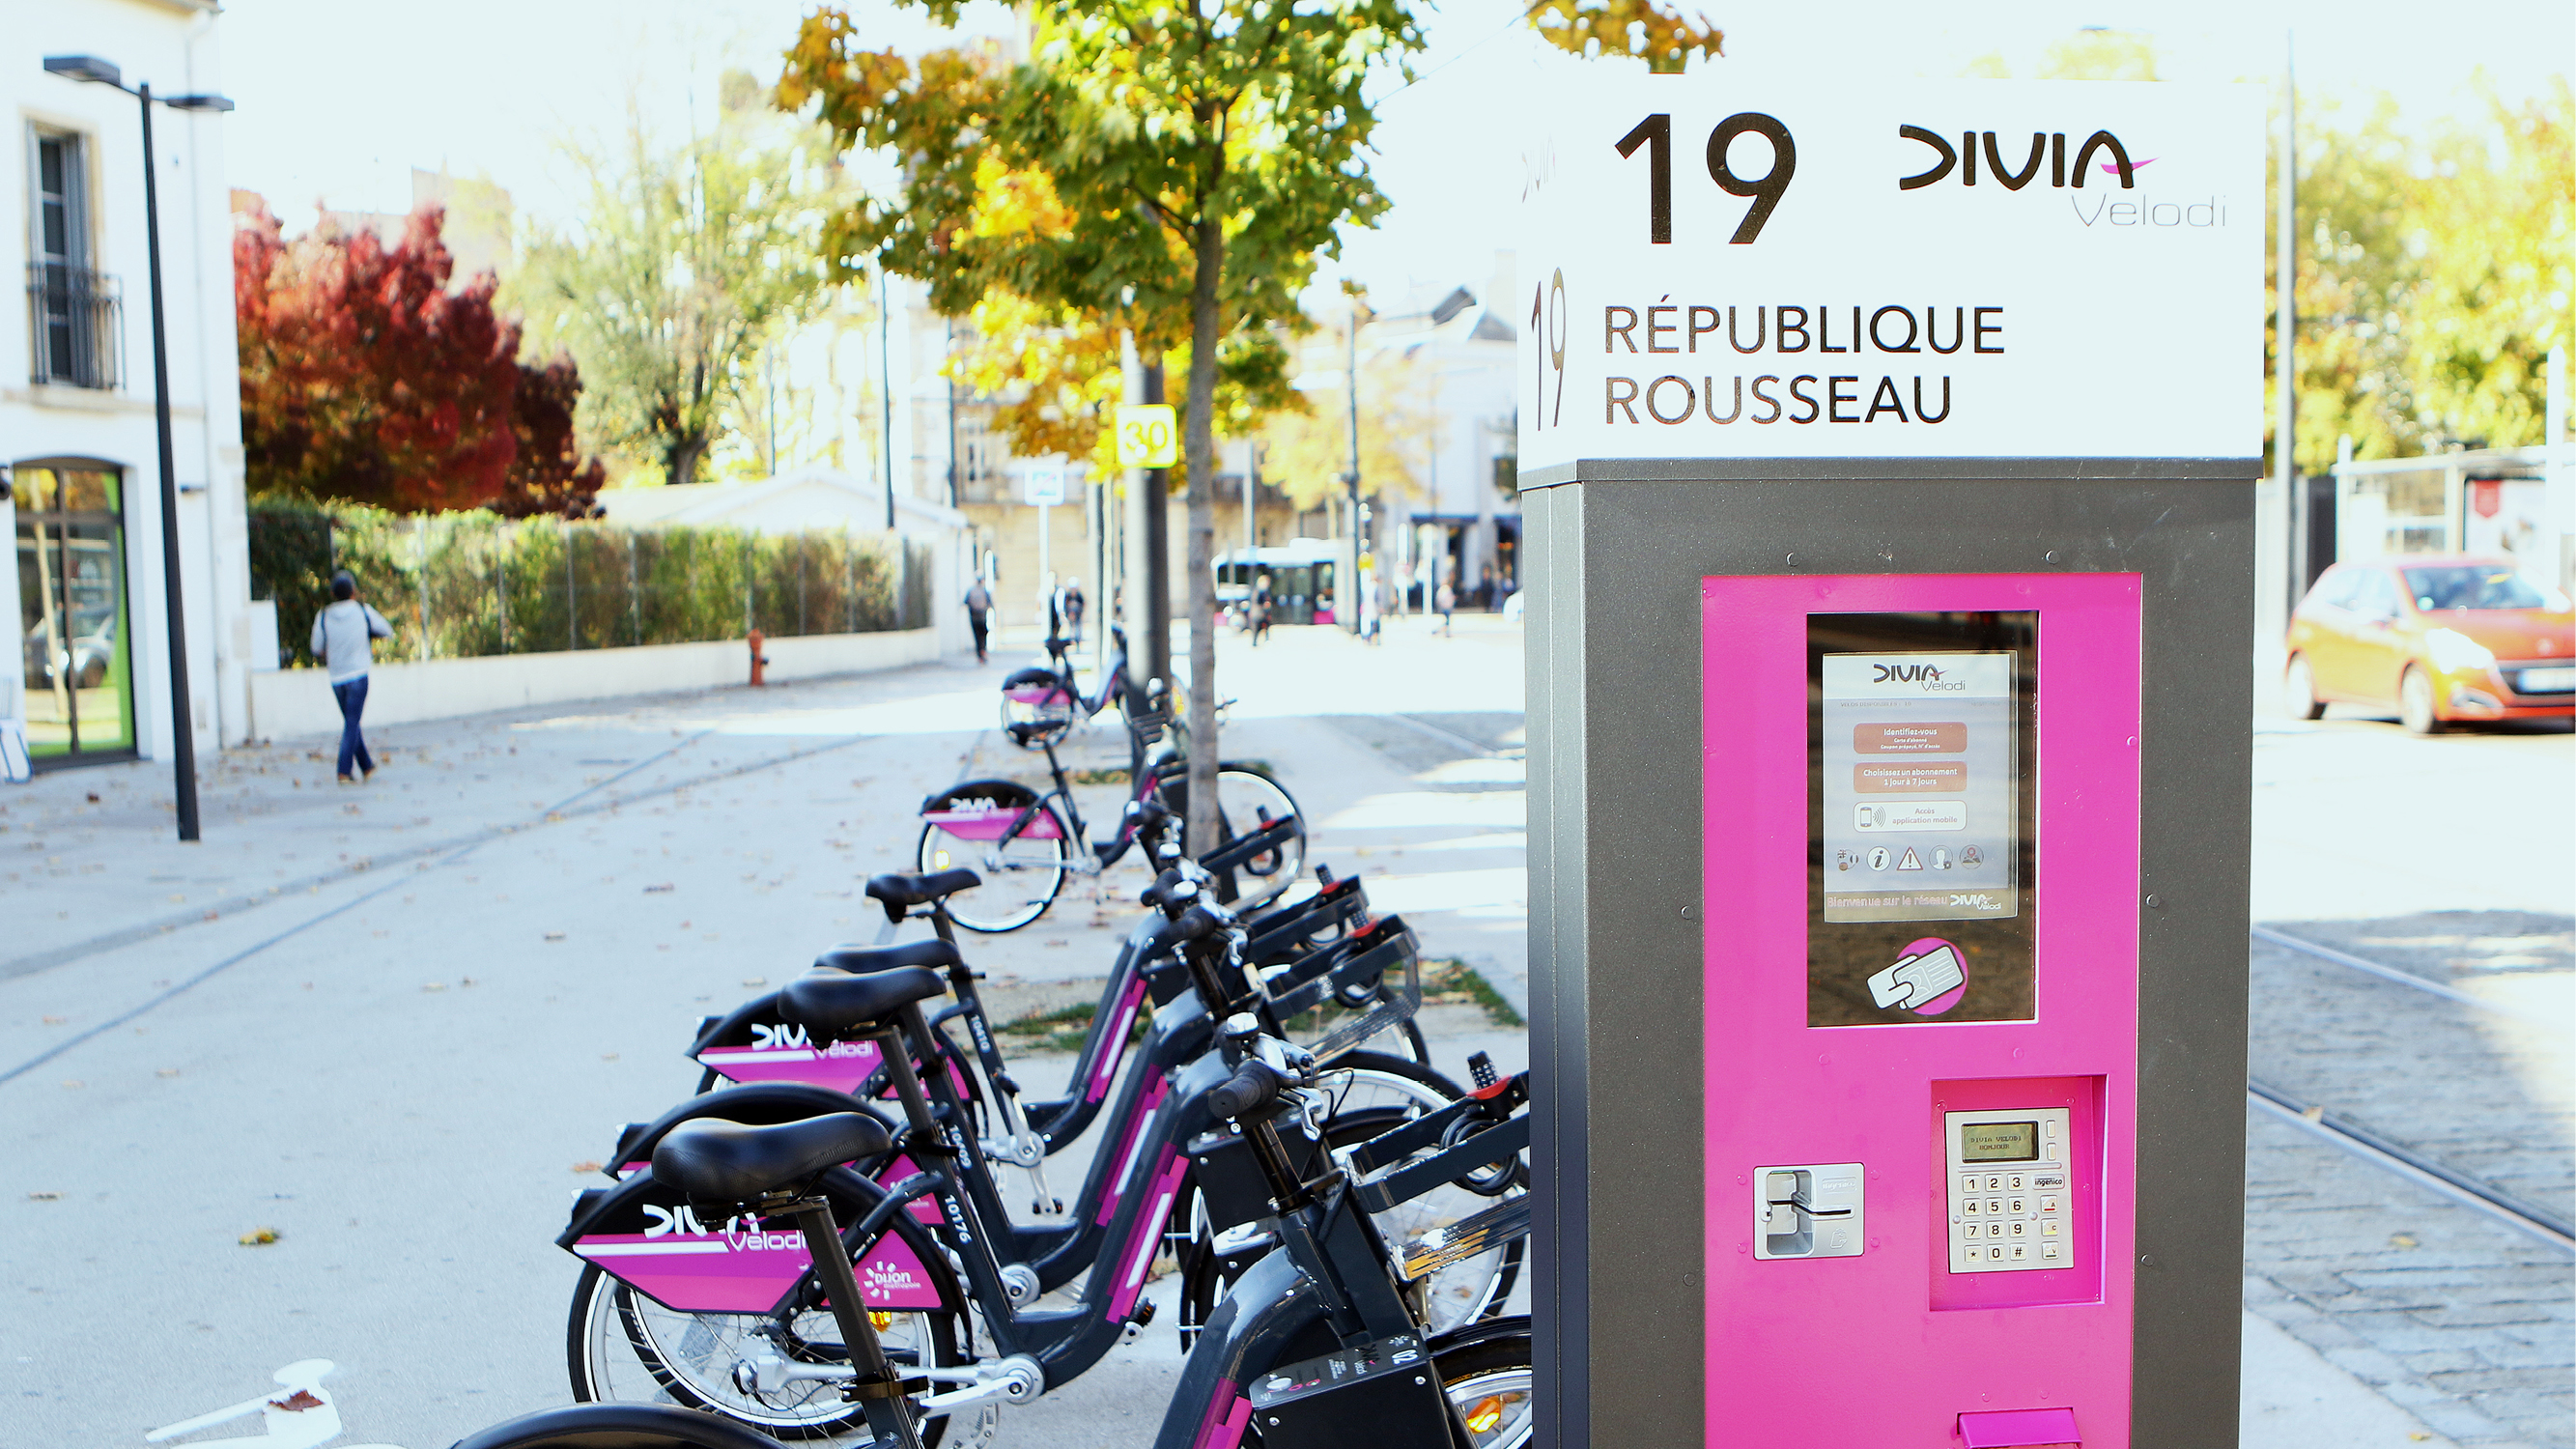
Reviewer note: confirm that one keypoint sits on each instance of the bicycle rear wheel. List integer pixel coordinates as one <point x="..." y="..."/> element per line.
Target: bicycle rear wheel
<point x="1022" y="876"/>
<point x="627" y="1348"/>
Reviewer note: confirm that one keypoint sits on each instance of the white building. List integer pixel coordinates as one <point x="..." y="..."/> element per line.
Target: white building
<point x="90" y="676"/>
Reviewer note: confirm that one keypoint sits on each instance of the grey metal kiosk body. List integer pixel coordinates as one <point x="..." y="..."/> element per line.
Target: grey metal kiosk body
<point x="1633" y="1216"/>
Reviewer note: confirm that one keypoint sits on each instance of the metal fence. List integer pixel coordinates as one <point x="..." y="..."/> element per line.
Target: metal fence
<point x="460" y="585"/>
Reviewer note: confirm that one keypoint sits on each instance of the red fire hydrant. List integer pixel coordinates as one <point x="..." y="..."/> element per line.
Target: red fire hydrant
<point x="759" y="661"/>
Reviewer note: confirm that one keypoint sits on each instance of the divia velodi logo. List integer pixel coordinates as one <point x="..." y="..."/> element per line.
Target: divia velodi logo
<point x="1930" y="676"/>
<point x="2069" y="164"/>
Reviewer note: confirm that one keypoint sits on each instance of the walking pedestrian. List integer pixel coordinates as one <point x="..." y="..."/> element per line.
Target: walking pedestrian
<point x="1073" y="608"/>
<point x="1260" y="609"/>
<point x="979" y="603"/>
<point x="1446" y="602"/>
<point x="344" y="636"/>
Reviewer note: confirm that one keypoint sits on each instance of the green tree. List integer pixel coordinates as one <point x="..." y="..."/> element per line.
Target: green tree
<point x="1174" y="171"/>
<point x="2435" y="271"/>
<point x="686" y="259"/>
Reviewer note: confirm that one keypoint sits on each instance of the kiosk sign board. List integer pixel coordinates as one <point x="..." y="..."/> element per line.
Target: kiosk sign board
<point x="1750" y="266"/>
<point x="1886" y="454"/>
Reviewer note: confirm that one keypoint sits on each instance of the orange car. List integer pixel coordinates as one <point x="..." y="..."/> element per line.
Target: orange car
<point x="2440" y="637"/>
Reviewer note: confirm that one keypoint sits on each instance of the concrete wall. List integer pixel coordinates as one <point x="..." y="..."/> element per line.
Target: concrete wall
<point x="293" y="702"/>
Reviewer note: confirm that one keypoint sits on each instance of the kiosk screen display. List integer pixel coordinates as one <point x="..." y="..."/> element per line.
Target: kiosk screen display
<point x="1921" y="771"/>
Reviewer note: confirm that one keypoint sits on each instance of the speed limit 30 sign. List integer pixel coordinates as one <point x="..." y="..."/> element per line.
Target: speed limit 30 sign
<point x="1148" y="436"/>
<point x="1734" y="264"/>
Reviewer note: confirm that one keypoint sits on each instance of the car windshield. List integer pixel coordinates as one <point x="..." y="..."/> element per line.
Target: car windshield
<point x="2471" y="586"/>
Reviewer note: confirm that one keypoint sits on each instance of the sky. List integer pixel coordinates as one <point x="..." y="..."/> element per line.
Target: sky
<point x="339" y="99"/>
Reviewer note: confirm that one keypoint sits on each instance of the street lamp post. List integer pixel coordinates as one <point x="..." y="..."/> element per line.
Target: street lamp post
<point x="184" y="736"/>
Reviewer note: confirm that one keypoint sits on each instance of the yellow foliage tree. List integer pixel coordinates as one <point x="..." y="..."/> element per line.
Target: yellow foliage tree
<point x="1636" y="28"/>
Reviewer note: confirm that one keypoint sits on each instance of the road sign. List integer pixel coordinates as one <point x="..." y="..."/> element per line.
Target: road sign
<point x="1148" y="436"/>
<point x="1042" y="482"/>
<point x="1766" y="267"/>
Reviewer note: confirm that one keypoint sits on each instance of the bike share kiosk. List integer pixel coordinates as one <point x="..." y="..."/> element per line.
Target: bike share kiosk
<point x="1886" y="452"/>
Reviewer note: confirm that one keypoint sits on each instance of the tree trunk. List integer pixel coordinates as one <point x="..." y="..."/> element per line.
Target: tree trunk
<point x="680" y="460"/>
<point x="1198" y="433"/>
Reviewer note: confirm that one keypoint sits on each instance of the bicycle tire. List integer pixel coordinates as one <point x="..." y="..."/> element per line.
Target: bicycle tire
<point x="632" y="1426"/>
<point x="1257" y="797"/>
<point x="996" y="907"/>
<point x="1489" y="1370"/>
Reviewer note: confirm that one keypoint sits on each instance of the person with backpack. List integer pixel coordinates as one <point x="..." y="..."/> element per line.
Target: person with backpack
<point x="344" y="636"/>
<point x="979" y="605"/>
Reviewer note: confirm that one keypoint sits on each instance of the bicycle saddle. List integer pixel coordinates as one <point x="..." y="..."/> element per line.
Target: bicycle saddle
<point x="836" y="1004"/>
<point x="862" y="960"/>
<point x="914" y="890"/>
<point x="1037" y="675"/>
<point x="618" y="1426"/>
<point x="712" y="1160"/>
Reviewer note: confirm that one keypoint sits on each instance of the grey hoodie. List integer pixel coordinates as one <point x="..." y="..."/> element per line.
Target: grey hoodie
<point x="340" y="638"/>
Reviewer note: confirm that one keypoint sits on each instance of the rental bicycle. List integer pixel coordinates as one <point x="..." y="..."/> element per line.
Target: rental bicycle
<point x="1023" y="840"/>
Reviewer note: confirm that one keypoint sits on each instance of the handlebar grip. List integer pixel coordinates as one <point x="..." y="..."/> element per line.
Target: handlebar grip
<point x="1253" y="1086"/>
<point x="1196" y="924"/>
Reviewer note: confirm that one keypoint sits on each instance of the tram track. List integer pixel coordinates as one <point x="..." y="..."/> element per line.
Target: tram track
<point x="2378" y="1148"/>
<point x="424" y="858"/>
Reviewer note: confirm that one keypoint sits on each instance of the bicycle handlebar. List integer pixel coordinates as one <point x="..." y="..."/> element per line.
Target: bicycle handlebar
<point x="1255" y="1084"/>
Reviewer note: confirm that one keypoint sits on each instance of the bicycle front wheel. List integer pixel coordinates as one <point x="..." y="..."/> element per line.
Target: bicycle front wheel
<point x="1022" y="875"/>
<point x="1248" y="798"/>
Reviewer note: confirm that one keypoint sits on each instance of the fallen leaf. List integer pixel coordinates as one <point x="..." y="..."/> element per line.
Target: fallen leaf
<point x="297" y="1402"/>
<point x="465" y="981"/>
<point x="56" y="1020"/>
<point x="258" y="1237"/>
<point x="755" y="981"/>
<point x="608" y="1056"/>
<point x="2314" y="1114"/>
<point x="42" y="1196"/>
<point x="93" y="797"/>
<point x="73" y="1083"/>
<point x="165" y="1071"/>
<point x="1059" y="942"/>
<point x="433" y="986"/>
<point x="2403" y="1240"/>
<point x="554" y="935"/>
<point x="585" y="1167"/>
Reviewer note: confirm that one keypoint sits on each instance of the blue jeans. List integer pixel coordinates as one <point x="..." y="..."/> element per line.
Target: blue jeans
<point x="353" y="746"/>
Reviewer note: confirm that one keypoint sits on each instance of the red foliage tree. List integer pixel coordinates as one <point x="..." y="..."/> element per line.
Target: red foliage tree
<point x="550" y="475"/>
<point x="365" y="379"/>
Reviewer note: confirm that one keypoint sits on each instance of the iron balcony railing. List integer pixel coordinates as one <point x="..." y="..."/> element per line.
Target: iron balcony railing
<point x="78" y="319"/>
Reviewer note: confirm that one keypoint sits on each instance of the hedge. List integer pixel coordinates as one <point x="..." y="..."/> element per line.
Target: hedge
<point x="471" y="584"/>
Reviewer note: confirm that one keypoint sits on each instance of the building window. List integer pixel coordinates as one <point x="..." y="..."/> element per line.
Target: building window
<point x="73" y="307"/>
<point x="72" y="610"/>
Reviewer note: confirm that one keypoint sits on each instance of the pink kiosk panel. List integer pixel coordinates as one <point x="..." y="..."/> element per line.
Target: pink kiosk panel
<point x="1892" y="1346"/>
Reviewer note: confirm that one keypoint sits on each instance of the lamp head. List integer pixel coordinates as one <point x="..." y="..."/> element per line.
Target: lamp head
<point x="85" y="68"/>
<point x="199" y="103"/>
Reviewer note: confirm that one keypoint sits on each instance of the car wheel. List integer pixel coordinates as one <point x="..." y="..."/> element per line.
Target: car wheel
<point x="2415" y="707"/>
<point x="2299" y="690"/>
